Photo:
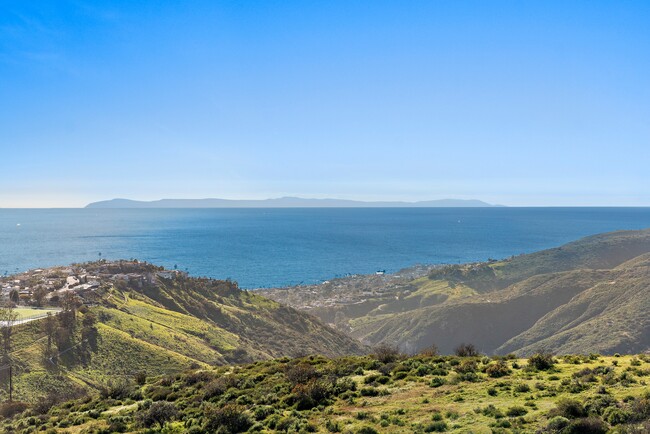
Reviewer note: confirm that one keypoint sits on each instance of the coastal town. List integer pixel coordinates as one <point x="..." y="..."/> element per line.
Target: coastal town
<point x="357" y="292"/>
<point x="34" y="293"/>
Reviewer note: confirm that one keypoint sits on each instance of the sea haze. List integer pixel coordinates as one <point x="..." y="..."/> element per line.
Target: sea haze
<point x="277" y="247"/>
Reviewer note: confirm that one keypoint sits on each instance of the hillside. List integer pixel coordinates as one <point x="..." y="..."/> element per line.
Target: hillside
<point x="137" y="318"/>
<point x="591" y="294"/>
<point x="384" y="393"/>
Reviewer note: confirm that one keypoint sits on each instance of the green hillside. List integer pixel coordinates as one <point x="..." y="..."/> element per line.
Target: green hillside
<point x="602" y="251"/>
<point x="385" y="393"/>
<point x="589" y="295"/>
<point x="169" y="325"/>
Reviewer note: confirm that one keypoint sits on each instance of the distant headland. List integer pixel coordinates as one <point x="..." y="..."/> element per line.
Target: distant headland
<point x="287" y="202"/>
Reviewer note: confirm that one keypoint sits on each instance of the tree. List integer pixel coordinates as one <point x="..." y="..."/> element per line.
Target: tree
<point x="8" y="317"/>
<point x="387" y="353"/>
<point x="69" y="304"/>
<point x="89" y="331"/>
<point x="14" y="296"/>
<point x="38" y="296"/>
<point x="49" y="325"/>
<point x="466" y="350"/>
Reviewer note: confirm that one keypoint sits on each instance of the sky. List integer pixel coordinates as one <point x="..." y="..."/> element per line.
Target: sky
<point x="522" y="103"/>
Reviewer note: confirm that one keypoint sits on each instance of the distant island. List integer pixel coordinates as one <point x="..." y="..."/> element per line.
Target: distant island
<point x="286" y="202"/>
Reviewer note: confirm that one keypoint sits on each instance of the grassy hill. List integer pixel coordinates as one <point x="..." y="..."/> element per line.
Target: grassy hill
<point x="602" y="251"/>
<point x="166" y="326"/>
<point x="384" y="393"/>
<point x="589" y="295"/>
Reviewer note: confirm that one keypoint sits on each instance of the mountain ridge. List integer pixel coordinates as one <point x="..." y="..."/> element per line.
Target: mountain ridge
<point x="287" y="202"/>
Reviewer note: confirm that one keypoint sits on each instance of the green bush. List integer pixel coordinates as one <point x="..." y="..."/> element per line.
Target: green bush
<point x="569" y="408"/>
<point x="522" y="388"/>
<point x="310" y="395"/>
<point x="590" y="425"/>
<point x="558" y="423"/>
<point x="158" y="414"/>
<point x="437" y="426"/>
<point x="497" y="370"/>
<point x="541" y="361"/>
<point x="261" y="412"/>
<point x="491" y="411"/>
<point x="369" y="391"/>
<point x="616" y="416"/>
<point x="332" y="426"/>
<point x="232" y="417"/>
<point x="516" y="411"/>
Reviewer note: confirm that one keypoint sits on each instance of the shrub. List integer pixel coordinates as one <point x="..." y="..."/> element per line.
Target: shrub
<point x="197" y="377"/>
<point x="300" y="373"/>
<point x="309" y="395"/>
<point x="369" y="391"/>
<point x="466" y="350"/>
<point x="491" y="411"/>
<point x="386" y="353"/>
<point x="10" y="409"/>
<point x="466" y="367"/>
<point x="116" y="390"/>
<point x="140" y="378"/>
<point x="261" y="412"/>
<point x="370" y="379"/>
<point x="558" y="423"/>
<point x="522" y="388"/>
<point x="640" y="408"/>
<point x="159" y="413"/>
<point x="590" y="425"/>
<point x="569" y="408"/>
<point x="332" y="426"/>
<point x="616" y="416"/>
<point x="367" y="430"/>
<point x="286" y="424"/>
<point x="598" y="404"/>
<point x="159" y="393"/>
<point x="437" y="426"/>
<point x="387" y="368"/>
<point x="541" y="361"/>
<point x="423" y="370"/>
<point x="430" y="351"/>
<point x="516" y="411"/>
<point x="345" y="384"/>
<point x="219" y="386"/>
<point x="497" y="370"/>
<point x="231" y="417"/>
<point x="437" y="382"/>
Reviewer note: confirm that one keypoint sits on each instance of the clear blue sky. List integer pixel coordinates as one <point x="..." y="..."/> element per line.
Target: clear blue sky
<point x="513" y="102"/>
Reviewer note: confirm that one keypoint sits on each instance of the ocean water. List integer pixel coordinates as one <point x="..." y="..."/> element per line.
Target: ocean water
<point x="277" y="247"/>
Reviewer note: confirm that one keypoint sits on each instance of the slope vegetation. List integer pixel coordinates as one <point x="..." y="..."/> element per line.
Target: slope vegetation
<point x="591" y="294"/>
<point x="385" y="393"/>
<point x="167" y="325"/>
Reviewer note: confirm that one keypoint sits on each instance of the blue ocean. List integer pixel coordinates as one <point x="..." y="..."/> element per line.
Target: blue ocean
<point x="278" y="247"/>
